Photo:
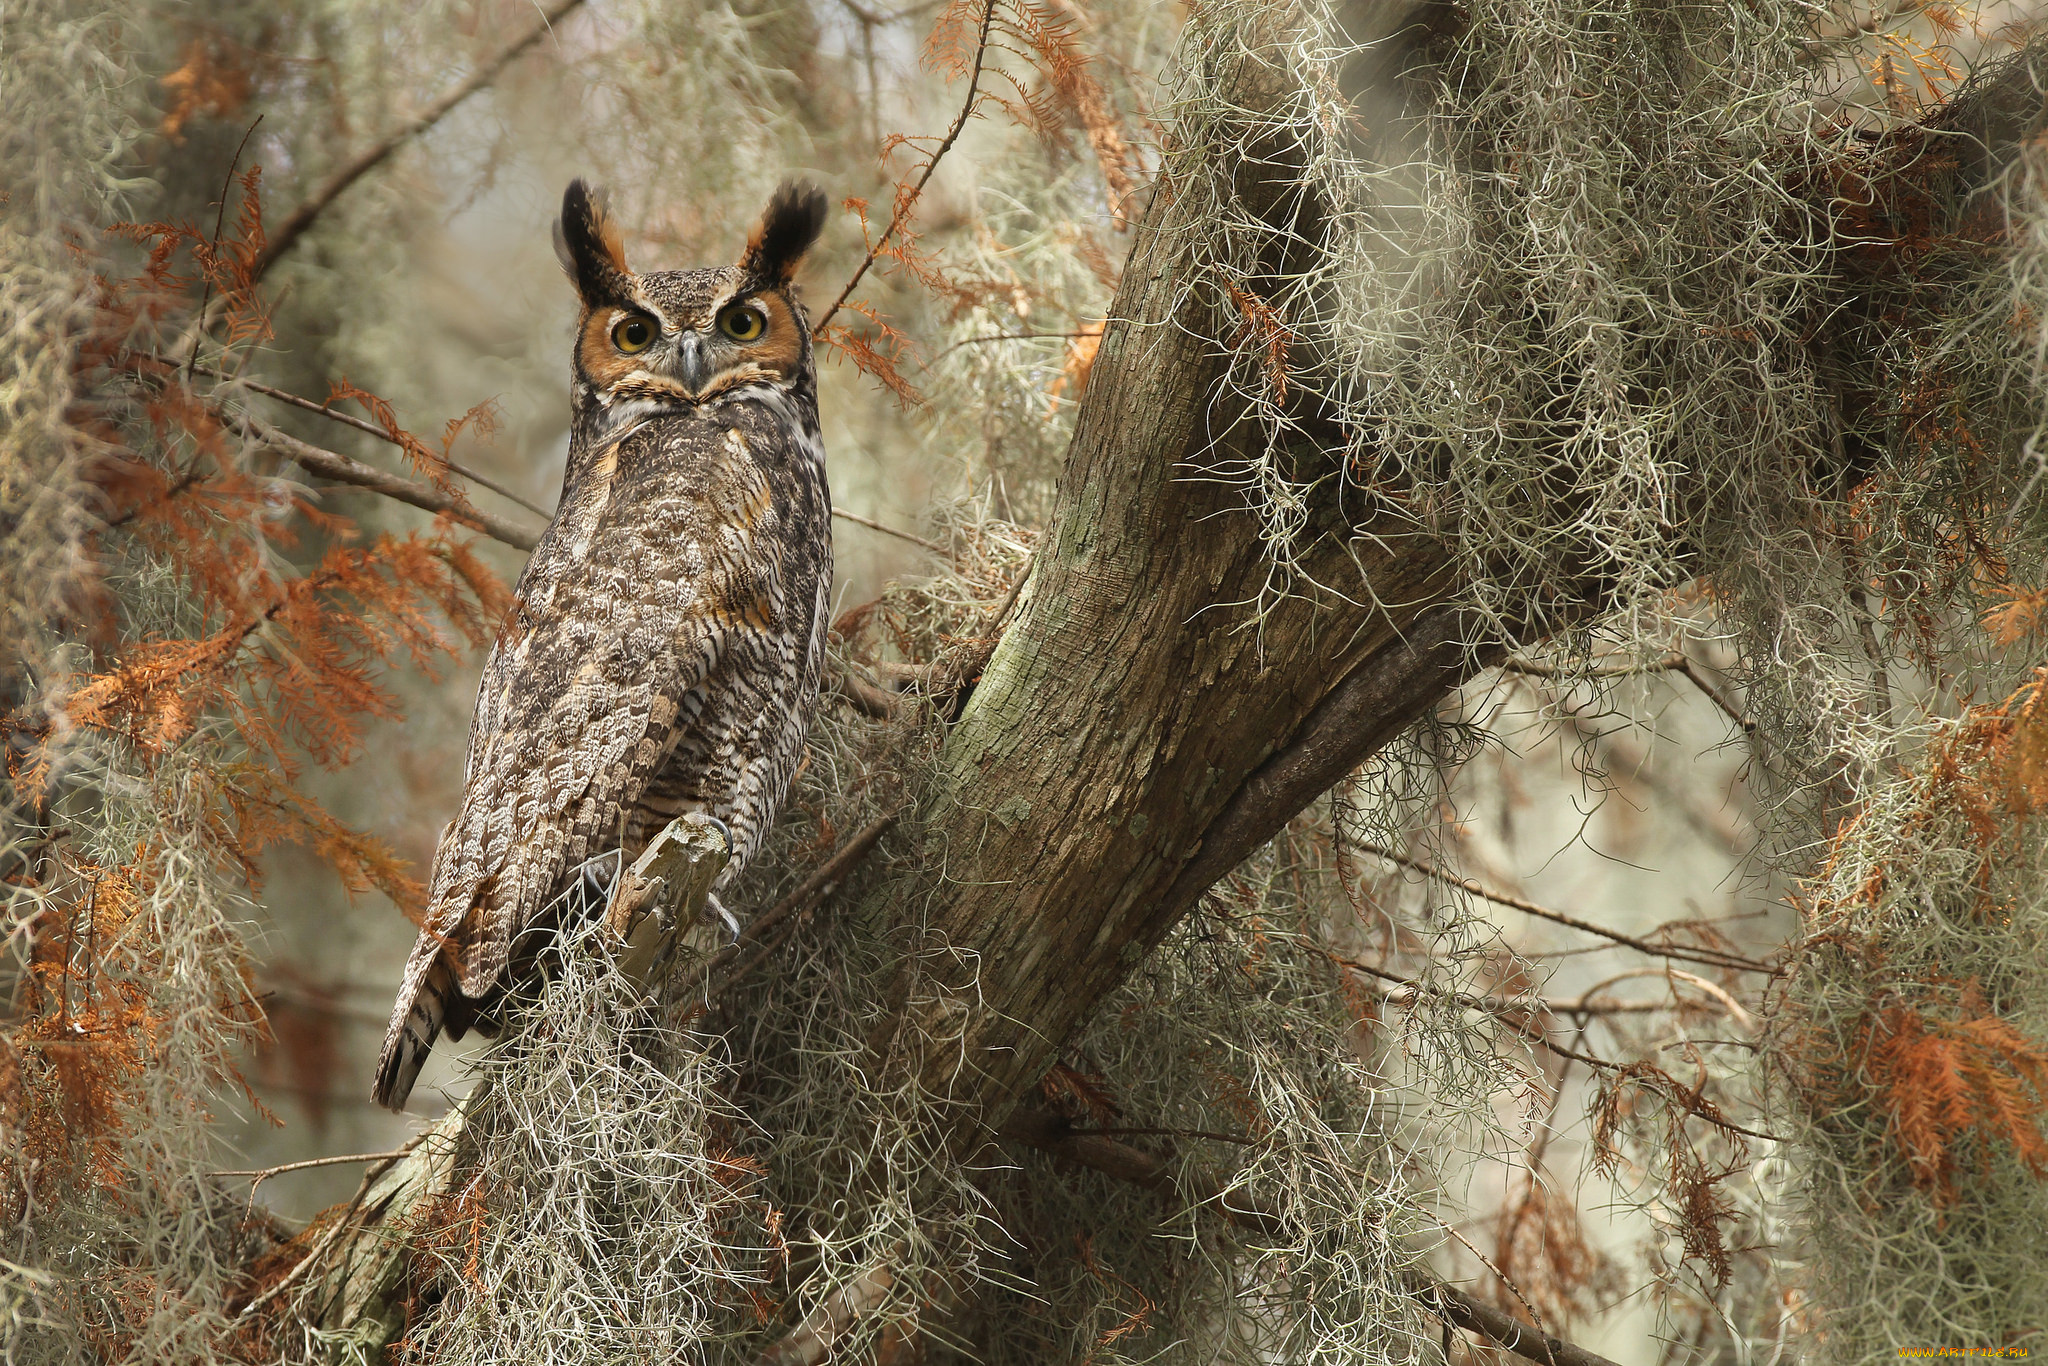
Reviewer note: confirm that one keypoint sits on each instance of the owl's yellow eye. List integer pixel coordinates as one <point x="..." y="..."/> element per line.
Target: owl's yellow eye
<point x="633" y="334"/>
<point x="743" y="323"/>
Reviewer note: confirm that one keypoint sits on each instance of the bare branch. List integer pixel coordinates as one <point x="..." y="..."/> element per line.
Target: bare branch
<point x="906" y="203"/>
<point x="1402" y="991"/>
<point x="265" y="1173"/>
<point x="343" y="1224"/>
<point x="219" y="221"/>
<point x="1712" y="958"/>
<point x="1716" y="696"/>
<point x="1532" y="669"/>
<point x="1016" y="590"/>
<point x="873" y="525"/>
<point x="343" y="470"/>
<point x="1211" y="1134"/>
<point x="1001" y="337"/>
<point x="347" y="420"/>
<point x="1689" y="1102"/>
<point x="301" y="218"/>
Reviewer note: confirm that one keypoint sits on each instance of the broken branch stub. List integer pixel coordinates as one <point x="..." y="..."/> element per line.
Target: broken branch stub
<point x="659" y="901"/>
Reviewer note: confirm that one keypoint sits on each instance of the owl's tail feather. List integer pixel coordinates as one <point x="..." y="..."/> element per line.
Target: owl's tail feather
<point x="412" y="1038"/>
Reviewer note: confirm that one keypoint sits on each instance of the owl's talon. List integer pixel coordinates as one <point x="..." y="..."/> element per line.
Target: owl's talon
<point x="732" y="925"/>
<point x="724" y="833"/>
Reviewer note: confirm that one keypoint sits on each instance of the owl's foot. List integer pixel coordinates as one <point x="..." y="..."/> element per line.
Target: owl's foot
<point x="724" y="833"/>
<point x="732" y="926"/>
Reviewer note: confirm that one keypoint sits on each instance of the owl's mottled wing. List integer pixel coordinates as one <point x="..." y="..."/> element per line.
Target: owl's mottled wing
<point x="633" y="595"/>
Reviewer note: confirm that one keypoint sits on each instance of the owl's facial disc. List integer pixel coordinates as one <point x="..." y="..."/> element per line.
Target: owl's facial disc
<point x="682" y="339"/>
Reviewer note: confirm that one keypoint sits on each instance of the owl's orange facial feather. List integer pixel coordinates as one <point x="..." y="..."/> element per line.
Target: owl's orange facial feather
<point x="781" y="347"/>
<point x="602" y="361"/>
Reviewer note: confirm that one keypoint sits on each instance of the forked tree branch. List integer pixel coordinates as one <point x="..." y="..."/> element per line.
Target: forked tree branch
<point x="1372" y="705"/>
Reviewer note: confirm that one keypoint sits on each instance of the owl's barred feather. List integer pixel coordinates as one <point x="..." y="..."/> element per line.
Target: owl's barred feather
<point x="663" y="649"/>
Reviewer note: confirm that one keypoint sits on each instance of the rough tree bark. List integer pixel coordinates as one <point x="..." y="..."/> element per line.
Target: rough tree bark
<point x="1137" y="732"/>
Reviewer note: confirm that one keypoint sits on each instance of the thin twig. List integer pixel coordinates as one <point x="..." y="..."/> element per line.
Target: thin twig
<point x="1712" y="958"/>
<point x="263" y="1174"/>
<point x="1736" y="1010"/>
<point x="1487" y="1262"/>
<point x="349" y="420"/>
<point x="1536" y="1035"/>
<point x="1238" y="1139"/>
<point x="301" y="218"/>
<point x="333" y="1233"/>
<point x="219" y="221"/>
<point x="1612" y="750"/>
<point x="1669" y="663"/>
<point x="343" y="470"/>
<point x="873" y="525"/>
<point x="1571" y="1007"/>
<point x="1001" y="337"/>
<point x="1016" y="590"/>
<point x="906" y="203"/>
<point x="1716" y="696"/>
<point x="1501" y="1008"/>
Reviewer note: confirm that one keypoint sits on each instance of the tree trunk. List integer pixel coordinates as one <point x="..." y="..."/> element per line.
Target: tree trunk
<point x="1140" y="728"/>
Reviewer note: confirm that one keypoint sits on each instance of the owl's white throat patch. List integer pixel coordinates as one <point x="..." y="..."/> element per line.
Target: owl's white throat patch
<point x="621" y="414"/>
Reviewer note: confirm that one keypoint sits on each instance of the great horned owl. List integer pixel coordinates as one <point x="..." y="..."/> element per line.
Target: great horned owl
<point x="663" y="647"/>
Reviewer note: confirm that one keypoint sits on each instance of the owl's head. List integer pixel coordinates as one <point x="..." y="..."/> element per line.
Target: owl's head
<point x="673" y="339"/>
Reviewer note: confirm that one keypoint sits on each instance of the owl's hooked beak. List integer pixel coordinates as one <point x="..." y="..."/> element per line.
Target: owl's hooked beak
<point x="693" y="363"/>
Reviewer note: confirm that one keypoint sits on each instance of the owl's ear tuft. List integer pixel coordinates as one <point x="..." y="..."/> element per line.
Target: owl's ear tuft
<point x="588" y="244"/>
<point x="789" y="227"/>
